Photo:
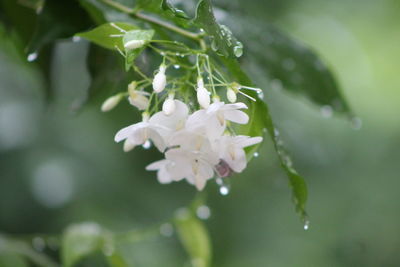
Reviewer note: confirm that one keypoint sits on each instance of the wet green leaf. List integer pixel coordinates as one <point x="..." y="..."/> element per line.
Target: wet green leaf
<point x="223" y="41"/>
<point x="194" y="237"/>
<point x="108" y="35"/>
<point x="167" y="6"/>
<point x="261" y="121"/>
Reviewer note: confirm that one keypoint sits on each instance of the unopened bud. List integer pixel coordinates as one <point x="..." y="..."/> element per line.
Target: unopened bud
<point x="169" y="105"/>
<point x="133" y="44"/>
<point x="137" y="98"/>
<point x="110" y="103"/>
<point x="231" y="95"/>
<point x="203" y="97"/>
<point x="128" y="146"/>
<point x="160" y="80"/>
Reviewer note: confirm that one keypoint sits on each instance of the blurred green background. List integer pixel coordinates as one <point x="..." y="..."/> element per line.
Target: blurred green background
<point x="59" y="167"/>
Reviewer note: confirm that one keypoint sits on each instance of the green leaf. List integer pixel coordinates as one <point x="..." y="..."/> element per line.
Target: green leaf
<point x="54" y="22"/>
<point x="194" y="237"/>
<point x="81" y="240"/>
<point x="261" y="120"/>
<point x="222" y="40"/>
<point x="108" y="35"/>
<point x="143" y="35"/>
<point x="102" y="13"/>
<point x="167" y="6"/>
<point x="12" y="260"/>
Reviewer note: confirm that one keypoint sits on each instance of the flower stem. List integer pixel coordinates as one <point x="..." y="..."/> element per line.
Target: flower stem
<point x="139" y="15"/>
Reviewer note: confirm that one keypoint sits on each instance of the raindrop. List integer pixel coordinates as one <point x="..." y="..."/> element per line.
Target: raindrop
<point x="38" y="243"/>
<point x="146" y="145"/>
<point x="176" y="66"/>
<point x="288" y="64"/>
<point x="166" y="229"/>
<point x="76" y="39"/>
<point x="201" y="30"/>
<point x="203" y="212"/>
<point x="256" y="154"/>
<point x="326" y="111"/>
<point x="306" y="225"/>
<point x="32" y="56"/>
<point x="356" y="123"/>
<point x="238" y="49"/>
<point x="224" y="188"/>
<point x="260" y="94"/>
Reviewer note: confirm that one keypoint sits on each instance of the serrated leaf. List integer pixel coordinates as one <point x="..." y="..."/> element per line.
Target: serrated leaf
<point x="256" y="127"/>
<point x="222" y="40"/>
<point x="131" y="54"/>
<point x="108" y="35"/>
<point x="194" y="238"/>
<point x="79" y="241"/>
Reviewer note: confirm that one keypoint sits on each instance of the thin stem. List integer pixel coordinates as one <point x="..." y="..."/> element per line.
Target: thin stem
<point x="132" y="12"/>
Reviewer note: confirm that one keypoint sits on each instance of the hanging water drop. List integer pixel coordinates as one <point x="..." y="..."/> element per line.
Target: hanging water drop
<point x="356" y="123"/>
<point x="32" y="56"/>
<point x="326" y="111"/>
<point x="306" y="225"/>
<point x="224" y="187"/>
<point x="256" y="154"/>
<point x="260" y="94"/>
<point x="176" y="66"/>
<point x="238" y="49"/>
<point x="146" y="145"/>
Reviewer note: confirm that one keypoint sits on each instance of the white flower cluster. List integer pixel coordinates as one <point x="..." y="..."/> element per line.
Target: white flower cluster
<point x="197" y="146"/>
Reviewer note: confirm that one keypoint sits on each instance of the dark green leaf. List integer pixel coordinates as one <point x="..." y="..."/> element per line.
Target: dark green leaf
<point x="131" y="54"/>
<point x="261" y="121"/>
<point x="54" y="22"/>
<point x="12" y="260"/>
<point x="222" y="40"/>
<point x="194" y="238"/>
<point x="108" y="35"/>
<point x="80" y="241"/>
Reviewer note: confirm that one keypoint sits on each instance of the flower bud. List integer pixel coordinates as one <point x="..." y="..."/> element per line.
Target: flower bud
<point x="231" y="95"/>
<point x="169" y="105"/>
<point x="133" y="44"/>
<point x="110" y="103"/>
<point x="160" y="80"/>
<point x="137" y="98"/>
<point x="128" y="146"/>
<point x="203" y="97"/>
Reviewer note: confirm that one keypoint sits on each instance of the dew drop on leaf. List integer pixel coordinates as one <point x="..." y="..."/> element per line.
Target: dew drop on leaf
<point x="306" y="225"/>
<point x="176" y="66"/>
<point x="32" y="56"/>
<point x="238" y="49"/>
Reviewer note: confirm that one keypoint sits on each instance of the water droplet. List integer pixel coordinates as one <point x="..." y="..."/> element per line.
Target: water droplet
<point x="224" y="187"/>
<point x="146" y="145"/>
<point x="238" y="49"/>
<point x="260" y="94"/>
<point x="256" y="154"/>
<point x="356" y="123"/>
<point x="201" y="30"/>
<point x="288" y="64"/>
<point x="76" y="39"/>
<point x="276" y="132"/>
<point x="176" y="66"/>
<point x="326" y="111"/>
<point x="32" y="56"/>
<point x="166" y="229"/>
<point x="203" y="212"/>
<point x="38" y="243"/>
<point x="306" y="225"/>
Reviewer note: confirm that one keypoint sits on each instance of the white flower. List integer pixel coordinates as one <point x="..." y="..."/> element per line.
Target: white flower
<point x="169" y="105"/>
<point x="139" y="133"/>
<point x="111" y="102"/>
<point x="160" y="80"/>
<point x="133" y="44"/>
<point x="137" y="98"/>
<point x="203" y="95"/>
<point x="230" y="150"/>
<point x="128" y="146"/>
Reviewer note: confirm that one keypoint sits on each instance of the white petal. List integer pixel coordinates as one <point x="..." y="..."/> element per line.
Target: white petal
<point x="238" y="105"/>
<point x="168" y="106"/>
<point x="248" y="141"/>
<point x="239" y="163"/>
<point x="156" y="165"/>
<point x="163" y="176"/>
<point x="128" y="146"/>
<point x="157" y="140"/>
<point x="125" y="132"/>
<point x="203" y="97"/>
<point x="236" y="116"/>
